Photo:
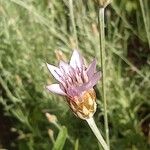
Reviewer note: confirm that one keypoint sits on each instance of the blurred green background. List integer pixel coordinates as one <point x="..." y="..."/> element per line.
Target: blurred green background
<point x="33" y="32"/>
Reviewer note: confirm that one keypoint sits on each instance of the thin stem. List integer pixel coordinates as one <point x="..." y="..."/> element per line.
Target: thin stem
<point x="97" y="133"/>
<point x="73" y="22"/>
<point x="102" y="56"/>
<point x="145" y="22"/>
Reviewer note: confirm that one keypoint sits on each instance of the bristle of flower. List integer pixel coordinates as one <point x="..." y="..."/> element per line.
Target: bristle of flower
<point x="84" y="106"/>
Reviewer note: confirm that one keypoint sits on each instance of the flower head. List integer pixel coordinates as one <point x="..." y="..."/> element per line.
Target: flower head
<point x="76" y="82"/>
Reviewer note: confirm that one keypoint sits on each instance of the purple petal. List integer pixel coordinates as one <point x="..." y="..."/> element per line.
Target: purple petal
<point x="55" y="72"/>
<point x="76" y="60"/>
<point x="55" y="88"/>
<point x="73" y="91"/>
<point x="91" y="69"/>
<point x="64" y="67"/>
<point x="93" y="81"/>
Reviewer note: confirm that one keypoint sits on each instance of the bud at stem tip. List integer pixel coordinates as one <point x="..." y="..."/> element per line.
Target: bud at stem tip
<point x="103" y="3"/>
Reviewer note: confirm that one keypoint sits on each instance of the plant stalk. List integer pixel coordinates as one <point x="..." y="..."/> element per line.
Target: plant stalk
<point x="73" y="22"/>
<point x="145" y="21"/>
<point x="101" y="25"/>
<point x="97" y="133"/>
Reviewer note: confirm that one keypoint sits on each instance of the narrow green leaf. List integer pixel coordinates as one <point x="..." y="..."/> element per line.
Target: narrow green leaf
<point x="76" y="146"/>
<point x="61" y="138"/>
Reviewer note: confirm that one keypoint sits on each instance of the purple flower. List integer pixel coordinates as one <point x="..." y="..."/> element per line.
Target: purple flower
<point x="76" y="82"/>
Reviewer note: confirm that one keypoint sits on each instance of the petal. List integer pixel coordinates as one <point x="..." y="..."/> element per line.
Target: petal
<point x="73" y="91"/>
<point x="76" y="60"/>
<point x="93" y="81"/>
<point x="55" y="71"/>
<point x="55" y="88"/>
<point x="91" y="69"/>
<point x="64" y="67"/>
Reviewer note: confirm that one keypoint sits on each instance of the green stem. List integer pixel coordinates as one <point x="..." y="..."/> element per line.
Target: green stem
<point x="97" y="133"/>
<point x="102" y="56"/>
<point x="73" y="22"/>
<point x="145" y="22"/>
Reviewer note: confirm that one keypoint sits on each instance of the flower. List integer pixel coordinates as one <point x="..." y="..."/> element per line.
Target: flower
<point x="76" y="83"/>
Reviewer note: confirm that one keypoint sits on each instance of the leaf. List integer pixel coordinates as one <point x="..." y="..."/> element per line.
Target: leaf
<point x="76" y="147"/>
<point x="61" y="138"/>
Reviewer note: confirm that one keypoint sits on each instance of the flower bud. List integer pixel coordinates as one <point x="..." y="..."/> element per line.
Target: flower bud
<point x="94" y="29"/>
<point x="51" y="118"/>
<point x="60" y="55"/>
<point x="50" y="132"/>
<point x="84" y="106"/>
<point x="103" y="3"/>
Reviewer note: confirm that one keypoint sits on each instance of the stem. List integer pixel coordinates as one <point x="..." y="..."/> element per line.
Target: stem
<point x="145" y="22"/>
<point x="73" y="22"/>
<point x="97" y="133"/>
<point x="102" y="56"/>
